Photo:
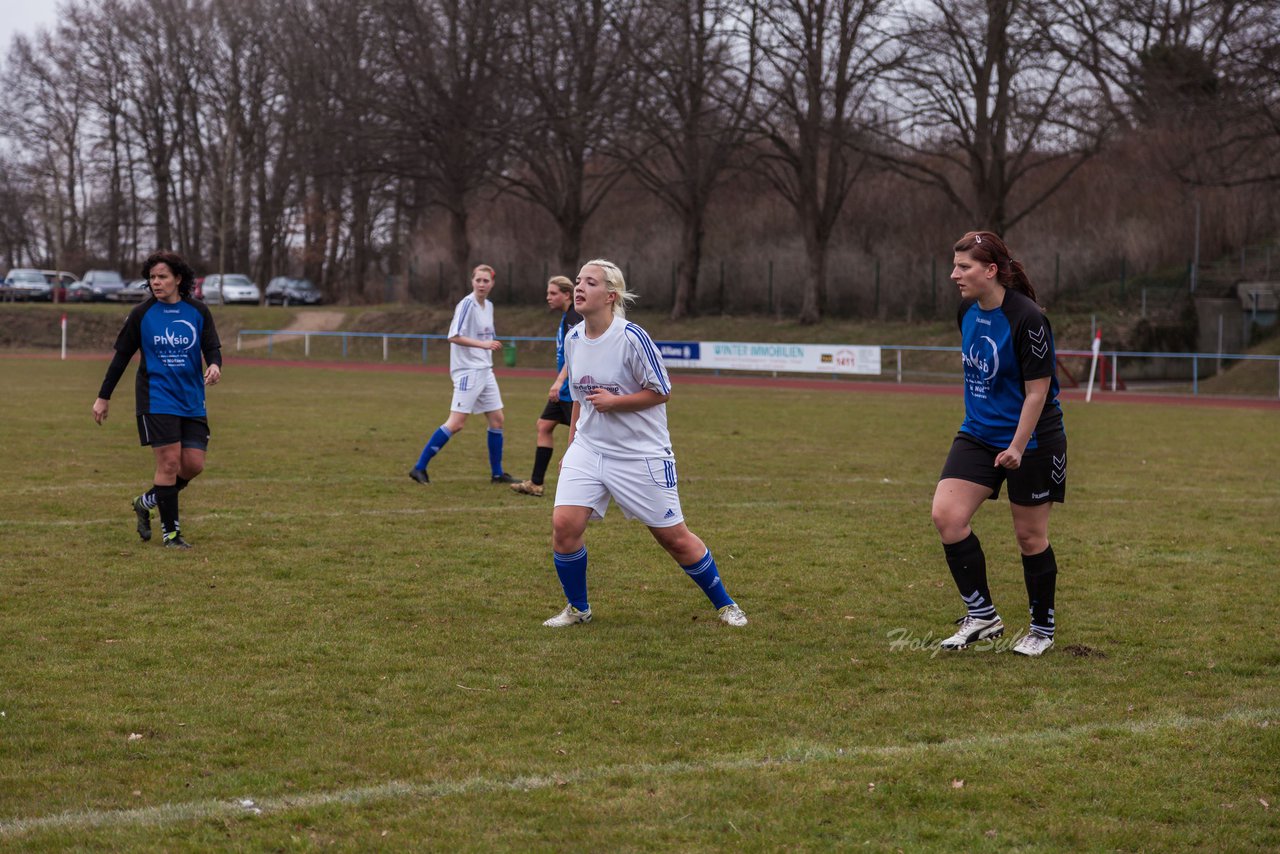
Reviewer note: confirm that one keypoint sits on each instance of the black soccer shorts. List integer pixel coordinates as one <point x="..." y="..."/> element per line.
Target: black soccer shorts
<point x="557" y="410"/>
<point x="160" y="430"/>
<point x="1042" y="477"/>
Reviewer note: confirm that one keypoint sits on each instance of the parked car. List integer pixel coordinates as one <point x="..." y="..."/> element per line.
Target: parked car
<point x="229" y="288"/>
<point x="80" y="292"/>
<point x="283" y="290"/>
<point x="59" y="281"/>
<point x="24" y="283"/>
<point x="105" y="284"/>
<point x="135" y="290"/>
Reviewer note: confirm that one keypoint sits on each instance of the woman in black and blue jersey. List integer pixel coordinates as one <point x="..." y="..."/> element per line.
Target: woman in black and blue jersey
<point x="181" y="355"/>
<point x="1012" y="433"/>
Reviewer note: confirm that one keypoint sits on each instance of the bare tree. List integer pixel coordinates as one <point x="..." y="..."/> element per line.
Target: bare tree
<point x="988" y="107"/>
<point x="567" y="80"/>
<point x="160" y="67"/>
<point x="47" y="113"/>
<point x="95" y="31"/>
<point x="695" y="66"/>
<point x="436" y="89"/>
<point x="819" y="60"/>
<point x="1197" y="80"/>
<point x="325" y="51"/>
<point x="15" y="221"/>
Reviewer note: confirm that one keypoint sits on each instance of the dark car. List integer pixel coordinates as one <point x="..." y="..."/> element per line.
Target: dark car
<point x="136" y="290"/>
<point x="80" y="292"/>
<point x="24" y="283"/>
<point x="105" y="284"/>
<point x="283" y="290"/>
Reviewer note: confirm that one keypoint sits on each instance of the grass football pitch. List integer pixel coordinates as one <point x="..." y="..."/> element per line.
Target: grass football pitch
<point x="349" y="659"/>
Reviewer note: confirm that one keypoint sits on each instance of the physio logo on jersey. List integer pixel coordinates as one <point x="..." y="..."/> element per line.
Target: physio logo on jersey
<point x="981" y="364"/>
<point x="178" y="335"/>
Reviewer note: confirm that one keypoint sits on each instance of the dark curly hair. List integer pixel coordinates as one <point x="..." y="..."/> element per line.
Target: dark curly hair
<point x="986" y="247"/>
<point x="174" y="262"/>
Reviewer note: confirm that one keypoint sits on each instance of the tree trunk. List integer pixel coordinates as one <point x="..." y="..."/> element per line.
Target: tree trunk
<point x="160" y="172"/>
<point x="684" y="304"/>
<point x="266" y="232"/>
<point x="570" y="248"/>
<point x="814" y="301"/>
<point x="244" y="226"/>
<point x="359" y="241"/>
<point x="333" y="239"/>
<point x="460" y="246"/>
<point x="116" y="200"/>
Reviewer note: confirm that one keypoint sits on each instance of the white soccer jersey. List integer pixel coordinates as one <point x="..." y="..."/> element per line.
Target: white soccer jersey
<point x="623" y="361"/>
<point x="471" y="320"/>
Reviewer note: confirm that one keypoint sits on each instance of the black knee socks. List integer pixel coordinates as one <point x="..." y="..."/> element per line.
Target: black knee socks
<point x="167" y="504"/>
<point x="968" y="566"/>
<point x="1041" y="575"/>
<point x="541" y="459"/>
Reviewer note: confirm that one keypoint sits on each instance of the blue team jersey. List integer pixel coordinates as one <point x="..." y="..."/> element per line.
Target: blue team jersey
<point x="571" y="319"/>
<point x="173" y="338"/>
<point x="1001" y="350"/>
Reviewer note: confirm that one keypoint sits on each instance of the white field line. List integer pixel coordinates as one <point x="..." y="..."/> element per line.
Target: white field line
<point x="167" y="814"/>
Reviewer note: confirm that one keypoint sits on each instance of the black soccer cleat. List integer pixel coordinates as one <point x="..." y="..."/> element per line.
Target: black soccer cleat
<point x="144" y="518"/>
<point x="420" y="475"/>
<point x="503" y="478"/>
<point x="175" y="541"/>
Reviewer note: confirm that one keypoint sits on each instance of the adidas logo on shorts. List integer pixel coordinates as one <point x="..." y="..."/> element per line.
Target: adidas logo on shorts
<point x="670" y="513"/>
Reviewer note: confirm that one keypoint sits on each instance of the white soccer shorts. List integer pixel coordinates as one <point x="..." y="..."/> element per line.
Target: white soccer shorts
<point x="644" y="489"/>
<point x="475" y="391"/>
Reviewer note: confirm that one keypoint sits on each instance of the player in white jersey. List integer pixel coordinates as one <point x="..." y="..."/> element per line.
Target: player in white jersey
<point x="619" y="448"/>
<point x="472" y="343"/>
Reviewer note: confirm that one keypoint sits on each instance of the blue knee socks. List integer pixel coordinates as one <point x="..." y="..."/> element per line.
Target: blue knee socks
<point x="495" y="451"/>
<point x="433" y="446"/>
<point x="705" y="574"/>
<point x="572" y="569"/>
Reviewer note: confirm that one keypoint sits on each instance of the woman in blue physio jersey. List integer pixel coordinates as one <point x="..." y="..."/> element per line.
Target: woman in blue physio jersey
<point x="174" y="332"/>
<point x="1012" y="433"/>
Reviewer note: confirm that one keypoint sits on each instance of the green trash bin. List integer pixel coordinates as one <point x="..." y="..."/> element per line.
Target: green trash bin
<point x="509" y="353"/>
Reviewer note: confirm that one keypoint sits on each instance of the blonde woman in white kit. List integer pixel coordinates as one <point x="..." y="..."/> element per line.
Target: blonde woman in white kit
<point x="619" y="448"/>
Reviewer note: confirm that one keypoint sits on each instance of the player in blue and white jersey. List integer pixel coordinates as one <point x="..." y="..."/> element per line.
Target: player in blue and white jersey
<point x="472" y="343"/>
<point x="174" y="332"/>
<point x="1012" y="433"/>
<point x="559" y="408"/>
<point x="619" y="448"/>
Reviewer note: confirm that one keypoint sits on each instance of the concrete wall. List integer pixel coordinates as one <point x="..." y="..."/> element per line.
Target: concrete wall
<point x="1234" y="325"/>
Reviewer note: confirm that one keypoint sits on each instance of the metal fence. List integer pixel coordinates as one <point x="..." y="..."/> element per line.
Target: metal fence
<point x="900" y="371"/>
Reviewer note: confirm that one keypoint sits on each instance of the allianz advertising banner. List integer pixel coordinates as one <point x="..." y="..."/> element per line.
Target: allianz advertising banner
<point x="793" y="358"/>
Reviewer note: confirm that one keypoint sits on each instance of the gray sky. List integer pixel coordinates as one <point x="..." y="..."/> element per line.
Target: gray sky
<point x="24" y="16"/>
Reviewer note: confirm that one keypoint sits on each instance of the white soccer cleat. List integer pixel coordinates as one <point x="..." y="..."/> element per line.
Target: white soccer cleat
<point x="570" y="616"/>
<point x="1033" y="645"/>
<point x="972" y="630"/>
<point x="732" y="615"/>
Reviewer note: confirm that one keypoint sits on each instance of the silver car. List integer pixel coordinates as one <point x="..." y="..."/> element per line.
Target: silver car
<point x="228" y="288"/>
<point x="24" y="283"/>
